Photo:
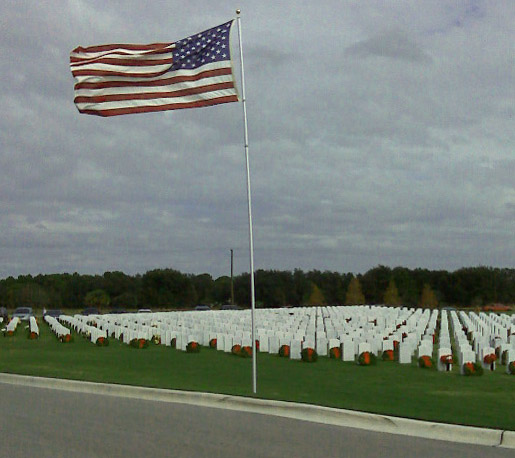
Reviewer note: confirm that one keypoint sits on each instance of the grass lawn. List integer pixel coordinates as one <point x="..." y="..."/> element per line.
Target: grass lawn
<point x="387" y="388"/>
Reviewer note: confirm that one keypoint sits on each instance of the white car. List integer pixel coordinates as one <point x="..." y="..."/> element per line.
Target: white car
<point x="23" y="313"/>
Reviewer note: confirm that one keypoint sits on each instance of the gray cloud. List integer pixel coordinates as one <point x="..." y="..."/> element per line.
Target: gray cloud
<point x="393" y="44"/>
<point x="378" y="134"/>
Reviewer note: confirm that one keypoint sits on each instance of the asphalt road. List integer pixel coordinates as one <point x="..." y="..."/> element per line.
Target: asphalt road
<point x="39" y="422"/>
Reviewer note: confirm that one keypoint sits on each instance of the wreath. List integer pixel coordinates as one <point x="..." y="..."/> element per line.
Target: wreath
<point x="366" y="359"/>
<point x="388" y="355"/>
<point x="472" y="369"/>
<point x="67" y="338"/>
<point x="139" y="343"/>
<point x="309" y="355"/>
<point x="193" y="347"/>
<point x="446" y="359"/>
<point x="246" y="351"/>
<point x="335" y="353"/>
<point x="102" y="342"/>
<point x="284" y="351"/>
<point x="489" y="359"/>
<point x="156" y="340"/>
<point x="425" y="362"/>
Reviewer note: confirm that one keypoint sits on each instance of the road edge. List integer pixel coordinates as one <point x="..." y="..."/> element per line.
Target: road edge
<point x="304" y="412"/>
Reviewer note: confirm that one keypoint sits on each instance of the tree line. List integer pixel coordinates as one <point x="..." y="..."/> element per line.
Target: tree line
<point x="171" y="289"/>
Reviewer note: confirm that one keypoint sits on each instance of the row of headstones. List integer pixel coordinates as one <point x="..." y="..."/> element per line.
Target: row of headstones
<point x="269" y="340"/>
<point x="13" y="324"/>
<point x="444" y="344"/>
<point x="338" y="320"/>
<point x="504" y="332"/>
<point x="80" y="324"/>
<point x="145" y="327"/>
<point x="485" y="326"/>
<point x="503" y="320"/>
<point x="57" y="328"/>
<point x="285" y="322"/>
<point x="419" y="339"/>
<point x="486" y="337"/>
<point x="375" y="330"/>
<point x="244" y="338"/>
<point x="296" y="328"/>
<point x="225" y="342"/>
<point x="466" y="352"/>
<point x="127" y="330"/>
<point x="145" y="331"/>
<point x="33" y="326"/>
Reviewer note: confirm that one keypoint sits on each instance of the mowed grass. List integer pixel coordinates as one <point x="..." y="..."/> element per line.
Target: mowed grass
<point x="387" y="388"/>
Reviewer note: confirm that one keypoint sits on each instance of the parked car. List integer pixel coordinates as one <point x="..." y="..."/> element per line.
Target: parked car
<point x="23" y="313"/>
<point x="202" y="307"/>
<point x="90" y="311"/>
<point x="144" y="311"/>
<point x="230" y="307"/>
<point x="53" y="313"/>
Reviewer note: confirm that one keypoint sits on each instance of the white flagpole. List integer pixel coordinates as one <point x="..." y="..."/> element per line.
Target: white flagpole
<point x="251" y="242"/>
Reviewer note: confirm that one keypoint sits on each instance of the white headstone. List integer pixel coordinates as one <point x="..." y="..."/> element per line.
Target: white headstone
<point x="348" y="348"/>
<point x="364" y="346"/>
<point x="321" y="346"/>
<point x="484" y="352"/>
<point x="273" y="345"/>
<point x="405" y="351"/>
<point x="228" y="343"/>
<point x="510" y="356"/>
<point x="295" y="349"/>
<point x="467" y="356"/>
<point x="387" y="345"/>
<point x="444" y="367"/>
<point x="220" y="341"/>
<point x="425" y="349"/>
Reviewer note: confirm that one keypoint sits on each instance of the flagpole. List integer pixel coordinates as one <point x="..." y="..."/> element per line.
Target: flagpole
<point x="249" y="201"/>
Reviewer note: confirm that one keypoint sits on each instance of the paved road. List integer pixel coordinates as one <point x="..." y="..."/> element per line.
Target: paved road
<point x="41" y="422"/>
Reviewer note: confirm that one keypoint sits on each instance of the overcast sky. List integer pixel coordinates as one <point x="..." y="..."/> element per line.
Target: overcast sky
<point x="380" y="133"/>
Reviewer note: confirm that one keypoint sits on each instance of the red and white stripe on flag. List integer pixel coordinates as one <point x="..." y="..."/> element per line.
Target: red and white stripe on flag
<point x="122" y="79"/>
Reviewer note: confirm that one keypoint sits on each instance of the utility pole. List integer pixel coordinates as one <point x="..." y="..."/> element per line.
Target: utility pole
<point x="232" y="285"/>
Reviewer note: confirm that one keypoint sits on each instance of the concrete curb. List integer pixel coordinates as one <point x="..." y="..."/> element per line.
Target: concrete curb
<point x="305" y="412"/>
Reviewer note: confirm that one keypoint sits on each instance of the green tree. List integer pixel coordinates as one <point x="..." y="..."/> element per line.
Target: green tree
<point x="391" y="295"/>
<point x="317" y="296"/>
<point x="405" y="281"/>
<point x="32" y="295"/>
<point x="354" y="294"/>
<point x="125" y="301"/>
<point x="167" y="288"/>
<point x="374" y="283"/>
<point x="221" y="290"/>
<point x="97" y="298"/>
<point x="428" y="298"/>
<point x="203" y="285"/>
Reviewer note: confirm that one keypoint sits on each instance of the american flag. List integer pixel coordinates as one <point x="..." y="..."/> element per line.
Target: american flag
<point x="119" y="79"/>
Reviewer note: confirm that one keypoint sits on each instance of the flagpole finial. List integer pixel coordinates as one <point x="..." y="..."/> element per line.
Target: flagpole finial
<point x="238" y="11"/>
